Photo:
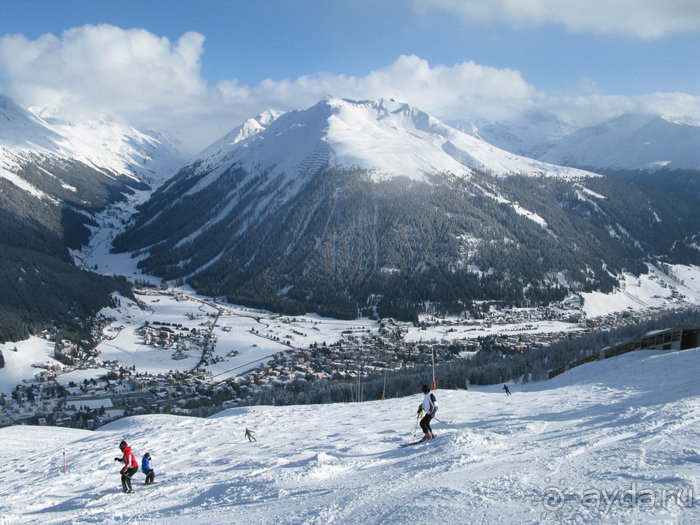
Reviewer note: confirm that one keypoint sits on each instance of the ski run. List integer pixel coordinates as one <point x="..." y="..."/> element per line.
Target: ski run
<point x="614" y="441"/>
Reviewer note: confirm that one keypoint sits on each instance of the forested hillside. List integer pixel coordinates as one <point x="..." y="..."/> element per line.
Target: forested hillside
<point x="348" y="245"/>
<point x="40" y="285"/>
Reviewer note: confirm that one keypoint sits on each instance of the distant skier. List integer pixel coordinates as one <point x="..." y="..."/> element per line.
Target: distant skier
<point x="131" y="466"/>
<point x="428" y="407"/>
<point x="249" y="434"/>
<point x="507" y="390"/>
<point x="146" y="469"/>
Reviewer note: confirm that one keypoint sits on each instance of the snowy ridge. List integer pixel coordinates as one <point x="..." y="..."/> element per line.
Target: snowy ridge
<point x="112" y="148"/>
<point x="604" y="443"/>
<point x="526" y="134"/>
<point x="24" y="185"/>
<point x="384" y="137"/>
<point x="120" y="149"/>
<point x="628" y="141"/>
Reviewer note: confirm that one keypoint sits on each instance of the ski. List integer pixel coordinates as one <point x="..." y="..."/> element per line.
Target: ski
<point x="416" y="442"/>
<point x="154" y="483"/>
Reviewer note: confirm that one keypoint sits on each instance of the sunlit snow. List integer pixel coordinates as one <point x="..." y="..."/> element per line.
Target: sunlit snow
<point x="615" y="441"/>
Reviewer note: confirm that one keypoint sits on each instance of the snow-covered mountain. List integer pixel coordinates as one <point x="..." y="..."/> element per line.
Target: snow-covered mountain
<point x="349" y="204"/>
<point x="614" y="441"/>
<point x="631" y="141"/>
<point x="112" y="148"/>
<point x="55" y="178"/>
<point x="525" y="134"/>
<point x="385" y="138"/>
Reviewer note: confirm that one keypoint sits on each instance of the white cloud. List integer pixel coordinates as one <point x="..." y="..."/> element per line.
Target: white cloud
<point x="150" y="81"/>
<point x="102" y="68"/>
<point x="637" y="18"/>
<point x="589" y="109"/>
<point x="441" y="90"/>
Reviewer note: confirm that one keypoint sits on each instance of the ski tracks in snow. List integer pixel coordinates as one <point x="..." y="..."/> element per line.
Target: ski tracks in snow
<point x="532" y="457"/>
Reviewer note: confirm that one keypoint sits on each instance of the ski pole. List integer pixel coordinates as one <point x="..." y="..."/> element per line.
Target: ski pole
<point x="108" y="473"/>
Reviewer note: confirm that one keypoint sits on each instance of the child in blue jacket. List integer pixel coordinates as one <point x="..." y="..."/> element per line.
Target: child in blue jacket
<point x="146" y="468"/>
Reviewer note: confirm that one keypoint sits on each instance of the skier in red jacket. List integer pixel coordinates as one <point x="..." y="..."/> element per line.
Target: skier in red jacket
<point x="130" y="467"/>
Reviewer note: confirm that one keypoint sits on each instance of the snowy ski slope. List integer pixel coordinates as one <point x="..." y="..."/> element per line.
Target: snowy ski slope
<point x="601" y="444"/>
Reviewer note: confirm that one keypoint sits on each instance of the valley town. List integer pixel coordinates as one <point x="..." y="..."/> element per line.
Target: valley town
<point x="173" y="352"/>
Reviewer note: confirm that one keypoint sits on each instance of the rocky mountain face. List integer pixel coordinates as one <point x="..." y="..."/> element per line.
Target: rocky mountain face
<point x="54" y="178"/>
<point x="351" y="208"/>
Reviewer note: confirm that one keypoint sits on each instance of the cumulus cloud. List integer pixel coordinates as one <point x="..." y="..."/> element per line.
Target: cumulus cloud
<point x="636" y="18"/>
<point x="593" y="108"/>
<point x="456" y="90"/>
<point x="460" y="92"/>
<point x="150" y="81"/>
<point x="93" y="68"/>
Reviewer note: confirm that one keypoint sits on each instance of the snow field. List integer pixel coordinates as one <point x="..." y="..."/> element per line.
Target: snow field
<point x="255" y="335"/>
<point x="653" y="290"/>
<point x="601" y="444"/>
<point x="19" y="364"/>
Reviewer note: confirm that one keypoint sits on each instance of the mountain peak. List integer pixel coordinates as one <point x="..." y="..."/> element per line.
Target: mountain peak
<point x="20" y="129"/>
<point x="384" y="137"/>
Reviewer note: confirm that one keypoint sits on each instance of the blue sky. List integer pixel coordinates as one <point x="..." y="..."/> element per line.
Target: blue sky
<point x="223" y="61"/>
